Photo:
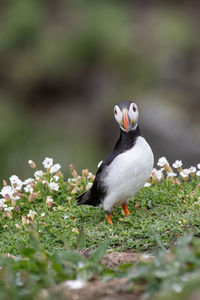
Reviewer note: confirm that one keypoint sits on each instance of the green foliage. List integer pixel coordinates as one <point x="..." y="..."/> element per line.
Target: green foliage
<point x="35" y="268"/>
<point x="171" y="274"/>
<point x="98" y="253"/>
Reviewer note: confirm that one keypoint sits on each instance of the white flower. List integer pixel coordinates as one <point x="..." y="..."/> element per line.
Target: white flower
<point x="15" y="198"/>
<point x="162" y="162"/>
<point x="2" y="201"/>
<point x="184" y="174"/>
<point x="99" y="164"/>
<point x="28" y="181"/>
<point x="8" y="208"/>
<point x="28" y="189"/>
<point x="43" y="215"/>
<point x="50" y="202"/>
<point x="75" y="190"/>
<point x="71" y="180"/>
<point x="14" y="179"/>
<point x="38" y="174"/>
<point x="45" y="182"/>
<point x="147" y="184"/>
<point x="198" y="166"/>
<point x="90" y="175"/>
<point x="177" y="164"/>
<point x="75" y="284"/>
<point x="16" y="183"/>
<point x="186" y="171"/>
<point x="53" y="186"/>
<point x="158" y="173"/>
<point x="55" y="178"/>
<point x="80" y="264"/>
<point x="7" y="191"/>
<point x="172" y="174"/>
<point x="49" y="199"/>
<point x="55" y="168"/>
<point x="89" y="185"/>
<point x="192" y="169"/>
<point x="198" y="173"/>
<point x="177" y="288"/>
<point x="154" y="170"/>
<point x="31" y="214"/>
<point x="48" y="163"/>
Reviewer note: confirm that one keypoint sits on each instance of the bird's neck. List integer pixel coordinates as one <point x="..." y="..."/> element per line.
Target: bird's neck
<point x="132" y="134"/>
<point x="127" y="139"/>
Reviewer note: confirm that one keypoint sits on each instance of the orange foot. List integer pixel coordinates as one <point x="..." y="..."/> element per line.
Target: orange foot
<point x="125" y="210"/>
<point x="108" y="218"/>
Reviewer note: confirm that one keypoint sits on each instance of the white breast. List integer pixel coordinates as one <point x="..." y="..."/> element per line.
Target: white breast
<point x="128" y="173"/>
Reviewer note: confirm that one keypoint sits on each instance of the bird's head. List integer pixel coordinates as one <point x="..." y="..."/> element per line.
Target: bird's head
<point x="126" y="115"/>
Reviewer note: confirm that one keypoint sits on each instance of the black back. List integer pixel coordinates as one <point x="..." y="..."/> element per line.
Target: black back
<point x="96" y="194"/>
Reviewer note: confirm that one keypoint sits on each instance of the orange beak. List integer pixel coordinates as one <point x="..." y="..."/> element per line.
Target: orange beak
<point x="126" y="121"/>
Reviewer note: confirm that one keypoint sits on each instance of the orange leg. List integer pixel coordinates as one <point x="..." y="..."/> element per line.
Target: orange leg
<point x="125" y="210"/>
<point x="108" y="218"/>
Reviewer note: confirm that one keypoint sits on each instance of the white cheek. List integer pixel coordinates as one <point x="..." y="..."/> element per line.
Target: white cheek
<point x="133" y="114"/>
<point x="118" y="116"/>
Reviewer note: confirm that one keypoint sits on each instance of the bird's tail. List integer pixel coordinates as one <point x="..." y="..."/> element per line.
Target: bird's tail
<point x="84" y="198"/>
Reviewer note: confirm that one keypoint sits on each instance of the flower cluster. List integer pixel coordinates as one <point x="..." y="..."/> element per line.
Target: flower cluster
<point x="46" y="185"/>
<point x="78" y="183"/>
<point x="166" y="172"/>
<point x="17" y="191"/>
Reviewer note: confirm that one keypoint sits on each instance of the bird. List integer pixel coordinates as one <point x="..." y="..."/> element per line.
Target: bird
<point x="126" y="169"/>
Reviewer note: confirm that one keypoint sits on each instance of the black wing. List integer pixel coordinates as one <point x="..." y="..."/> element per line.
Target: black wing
<point x="95" y="195"/>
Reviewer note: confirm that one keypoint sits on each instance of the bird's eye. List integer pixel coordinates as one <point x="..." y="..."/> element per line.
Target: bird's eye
<point x="134" y="108"/>
<point x="115" y="112"/>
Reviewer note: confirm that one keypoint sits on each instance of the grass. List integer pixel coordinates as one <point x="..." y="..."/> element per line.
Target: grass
<point x="44" y="227"/>
<point x="165" y="210"/>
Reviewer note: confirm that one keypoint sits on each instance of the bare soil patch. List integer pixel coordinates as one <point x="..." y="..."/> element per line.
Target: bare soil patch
<point x="109" y="290"/>
<point x="116" y="258"/>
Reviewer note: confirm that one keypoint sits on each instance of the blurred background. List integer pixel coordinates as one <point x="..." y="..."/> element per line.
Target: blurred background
<point x="65" y="64"/>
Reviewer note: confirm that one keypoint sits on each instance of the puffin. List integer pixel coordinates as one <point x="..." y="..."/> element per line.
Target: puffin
<point x="126" y="169"/>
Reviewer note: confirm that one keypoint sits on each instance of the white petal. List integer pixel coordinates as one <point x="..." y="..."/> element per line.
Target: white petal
<point x="89" y="185"/>
<point x="162" y="161"/>
<point x="55" y="168"/>
<point x="48" y="162"/>
<point x="75" y="284"/>
<point x="172" y="174"/>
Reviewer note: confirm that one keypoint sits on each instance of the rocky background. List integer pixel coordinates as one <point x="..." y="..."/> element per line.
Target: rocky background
<point x="65" y="64"/>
